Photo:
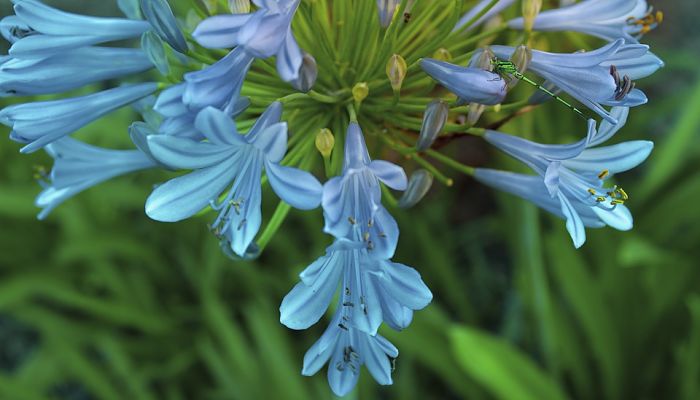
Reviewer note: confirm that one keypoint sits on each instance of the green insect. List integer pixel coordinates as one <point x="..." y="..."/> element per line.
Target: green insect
<point x="507" y="70"/>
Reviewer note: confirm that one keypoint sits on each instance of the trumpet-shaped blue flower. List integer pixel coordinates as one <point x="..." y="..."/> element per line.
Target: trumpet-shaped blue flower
<point x="227" y="171"/>
<point x="606" y="19"/>
<point x="470" y="84"/>
<point x="262" y="34"/>
<point x="79" y="166"/>
<point x="592" y="77"/>
<point x="69" y="70"/>
<point x="575" y="175"/>
<point x="346" y="350"/>
<point x="161" y="18"/>
<point x="497" y="8"/>
<point x="43" y="122"/>
<point x="39" y="31"/>
<point x="352" y="204"/>
<point x="372" y="290"/>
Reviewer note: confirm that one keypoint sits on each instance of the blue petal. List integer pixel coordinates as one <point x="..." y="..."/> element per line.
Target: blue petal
<point x="218" y="127"/>
<point x="271" y="115"/>
<point x="295" y="187"/>
<point x="617" y="158"/>
<point x="264" y="34"/>
<point x="289" y="58"/>
<point x="152" y="45"/>
<point x="476" y="9"/>
<point x="405" y="285"/>
<point x="391" y="174"/>
<point x="606" y="129"/>
<point x="551" y="178"/>
<point x="220" y="31"/>
<point x="169" y="102"/>
<point x="272" y="141"/>
<point x="376" y="359"/>
<point x="618" y="218"/>
<point x="321" y="351"/>
<point x="356" y="155"/>
<point x="573" y="222"/>
<point x="185" y="153"/>
<point x="184" y="196"/>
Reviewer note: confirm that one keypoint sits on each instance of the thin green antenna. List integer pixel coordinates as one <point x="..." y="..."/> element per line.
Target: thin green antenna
<point x="506" y="70"/>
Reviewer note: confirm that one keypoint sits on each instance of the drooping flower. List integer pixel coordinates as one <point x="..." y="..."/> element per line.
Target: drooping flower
<point x="591" y="77"/>
<point x="262" y="34"/>
<point x="69" y="70"/>
<point x="478" y="8"/>
<point x="606" y="19"/>
<point x="573" y="175"/>
<point x="227" y="171"/>
<point x="372" y="288"/>
<point x="40" y="123"/>
<point x="79" y="166"/>
<point x="39" y="31"/>
<point x="346" y="350"/>
<point x="352" y="204"/>
<point x="470" y="84"/>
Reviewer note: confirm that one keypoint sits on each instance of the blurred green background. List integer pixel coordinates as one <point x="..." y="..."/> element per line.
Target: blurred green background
<point x="99" y="302"/>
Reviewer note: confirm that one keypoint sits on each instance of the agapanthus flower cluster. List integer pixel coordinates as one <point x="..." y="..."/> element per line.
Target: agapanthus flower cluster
<point x="278" y="93"/>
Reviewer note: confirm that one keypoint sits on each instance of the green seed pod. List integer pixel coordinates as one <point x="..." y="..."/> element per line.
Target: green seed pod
<point x="396" y="70"/>
<point x="325" y="141"/>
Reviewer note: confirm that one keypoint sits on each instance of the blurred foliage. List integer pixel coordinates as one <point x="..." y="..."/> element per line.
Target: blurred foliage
<point x="99" y="302"/>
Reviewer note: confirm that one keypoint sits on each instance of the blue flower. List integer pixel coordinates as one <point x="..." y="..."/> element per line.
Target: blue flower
<point x="497" y="8"/>
<point x="43" y="122"/>
<point x="386" y="9"/>
<point x="470" y="84"/>
<point x="352" y="204"/>
<point x="346" y="350"/>
<point x="69" y="70"/>
<point x="262" y="34"/>
<point x="573" y="175"/>
<point x="372" y="290"/>
<point x="39" y="31"/>
<point x="592" y="77"/>
<point x="606" y="19"/>
<point x="227" y="172"/>
<point x="161" y="17"/>
<point x="79" y="166"/>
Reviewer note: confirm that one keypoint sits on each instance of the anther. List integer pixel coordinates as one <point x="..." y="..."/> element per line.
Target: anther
<point x="600" y="199"/>
<point x="352" y="220"/>
<point x="342" y="326"/>
<point x="365" y="237"/>
<point x="240" y="226"/>
<point x="592" y="192"/>
<point x="348" y="304"/>
<point x="603" y="174"/>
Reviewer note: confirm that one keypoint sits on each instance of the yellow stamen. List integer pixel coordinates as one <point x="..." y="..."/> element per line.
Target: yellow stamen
<point x="592" y="192"/>
<point x="603" y="174"/>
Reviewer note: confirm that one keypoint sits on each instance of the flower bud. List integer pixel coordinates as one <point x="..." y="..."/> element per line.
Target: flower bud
<point x="434" y="120"/>
<point x="442" y="54"/>
<point x="325" y="142"/>
<point x="308" y="72"/>
<point x="360" y="92"/>
<point x="530" y="10"/>
<point x="418" y="186"/>
<point x="521" y="58"/>
<point x="211" y="5"/>
<point x="239" y="6"/>
<point x="152" y="45"/>
<point x="485" y="62"/>
<point x="159" y="14"/>
<point x="387" y="9"/>
<point x="396" y="70"/>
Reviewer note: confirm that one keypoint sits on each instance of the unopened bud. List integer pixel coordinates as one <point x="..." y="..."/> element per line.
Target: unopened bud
<point x="434" y="120"/>
<point x="325" y="142"/>
<point x="418" y="186"/>
<point x="239" y="6"/>
<point x="442" y="54"/>
<point x="475" y="112"/>
<point x="521" y="58"/>
<point x="210" y="5"/>
<point x="360" y="92"/>
<point x="308" y="72"/>
<point x="396" y="70"/>
<point x="530" y="10"/>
